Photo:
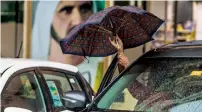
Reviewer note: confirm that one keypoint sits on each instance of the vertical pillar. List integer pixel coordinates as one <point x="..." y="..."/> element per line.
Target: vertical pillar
<point x="175" y="18"/>
<point x="27" y="29"/>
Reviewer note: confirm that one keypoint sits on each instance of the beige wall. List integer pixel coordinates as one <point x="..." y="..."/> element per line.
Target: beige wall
<point x="8" y="37"/>
<point x="199" y="22"/>
<point x="132" y="54"/>
<point x="157" y="8"/>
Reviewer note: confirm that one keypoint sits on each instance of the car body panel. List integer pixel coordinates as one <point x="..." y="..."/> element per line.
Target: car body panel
<point x="13" y="67"/>
<point x="185" y="52"/>
<point x="180" y="49"/>
<point x="10" y="66"/>
<point x="25" y="63"/>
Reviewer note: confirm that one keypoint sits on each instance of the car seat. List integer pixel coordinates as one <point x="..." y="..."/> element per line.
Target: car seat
<point x="12" y="95"/>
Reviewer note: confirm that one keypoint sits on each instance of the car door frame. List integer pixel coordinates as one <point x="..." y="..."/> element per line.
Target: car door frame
<point x="45" y="94"/>
<point x="92" y="107"/>
<point x="108" y="75"/>
<point x="77" y="75"/>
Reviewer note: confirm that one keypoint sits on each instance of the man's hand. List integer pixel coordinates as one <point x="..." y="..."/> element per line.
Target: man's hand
<point x="123" y="60"/>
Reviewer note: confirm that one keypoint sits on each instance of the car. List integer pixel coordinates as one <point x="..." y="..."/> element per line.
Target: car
<point x="164" y="79"/>
<point x="41" y="86"/>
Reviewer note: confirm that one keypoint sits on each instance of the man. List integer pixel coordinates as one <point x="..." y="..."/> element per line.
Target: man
<point x="68" y="14"/>
<point x="53" y="21"/>
<point x="59" y="17"/>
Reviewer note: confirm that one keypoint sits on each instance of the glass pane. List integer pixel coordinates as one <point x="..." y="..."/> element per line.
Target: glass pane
<point x="59" y="78"/>
<point x="125" y="101"/>
<point x="74" y="82"/>
<point x="157" y="85"/>
<point x="24" y="91"/>
<point x="12" y="9"/>
<point x="59" y="83"/>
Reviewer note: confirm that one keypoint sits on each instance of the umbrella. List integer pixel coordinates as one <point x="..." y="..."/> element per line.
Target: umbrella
<point x="133" y="25"/>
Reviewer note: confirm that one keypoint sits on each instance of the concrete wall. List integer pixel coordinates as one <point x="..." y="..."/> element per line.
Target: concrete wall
<point x="199" y="22"/>
<point x="157" y="8"/>
<point x="8" y="39"/>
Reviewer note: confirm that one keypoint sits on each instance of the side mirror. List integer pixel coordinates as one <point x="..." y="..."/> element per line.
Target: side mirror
<point x="75" y="100"/>
<point x="16" y="109"/>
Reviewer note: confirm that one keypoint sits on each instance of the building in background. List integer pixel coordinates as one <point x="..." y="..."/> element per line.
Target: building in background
<point x="11" y="27"/>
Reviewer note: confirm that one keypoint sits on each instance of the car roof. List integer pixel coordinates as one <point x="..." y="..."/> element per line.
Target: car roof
<point x="179" y="49"/>
<point x="27" y="63"/>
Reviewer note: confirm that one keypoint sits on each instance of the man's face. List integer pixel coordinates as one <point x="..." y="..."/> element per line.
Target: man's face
<point x="68" y="14"/>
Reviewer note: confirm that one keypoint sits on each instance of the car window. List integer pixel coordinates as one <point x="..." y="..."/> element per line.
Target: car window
<point x="156" y="85"/>
<point x="23" y="91"/>
<point x="59" y="83"/>
<point x="188" y="107"/>
<point x="74" y="82"/>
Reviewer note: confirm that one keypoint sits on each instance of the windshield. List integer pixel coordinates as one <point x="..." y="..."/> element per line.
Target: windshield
<point x="164" y="84"/>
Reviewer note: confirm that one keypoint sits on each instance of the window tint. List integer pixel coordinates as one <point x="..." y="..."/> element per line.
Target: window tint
<point x="23" y="91"/>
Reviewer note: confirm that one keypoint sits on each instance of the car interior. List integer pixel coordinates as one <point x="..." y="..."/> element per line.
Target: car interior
<point x="18" y="94"/>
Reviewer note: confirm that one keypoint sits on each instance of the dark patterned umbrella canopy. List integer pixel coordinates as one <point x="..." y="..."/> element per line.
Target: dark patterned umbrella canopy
<point x="133" y="25"/>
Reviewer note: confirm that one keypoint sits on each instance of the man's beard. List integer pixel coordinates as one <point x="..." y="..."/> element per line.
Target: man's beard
<point x="55" y="36"/>
<point x="77" y="59"/>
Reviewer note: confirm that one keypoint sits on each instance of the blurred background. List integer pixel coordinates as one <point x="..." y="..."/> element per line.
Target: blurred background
<point x="182" y="23"/>
<point x="24" y="22"/>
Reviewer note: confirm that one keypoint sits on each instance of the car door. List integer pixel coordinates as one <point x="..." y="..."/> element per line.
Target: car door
<point x="149" y="84"/>
<point x="24" y="91"/>
<point x="60" y="81"/>
<point x="108" y="75"/>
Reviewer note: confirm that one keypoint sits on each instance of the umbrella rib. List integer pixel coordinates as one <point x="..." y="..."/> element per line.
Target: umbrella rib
<point x="117" y="18"/>
<point x="112" y="24"/>
<point x="100" y="26"/>
<point x="110" y="20"/>
<point x="140" y="25"/>
<point x="103" y="28"/>
<point x="105" y="21"/>
<point x="107" y="31"/>
<point x="92" y="39"/>
<point x="123" y="22"/>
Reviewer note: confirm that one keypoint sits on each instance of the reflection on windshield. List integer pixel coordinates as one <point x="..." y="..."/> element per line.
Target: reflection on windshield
<point x="188" y="107"/>
<point x="156" y="85"/>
